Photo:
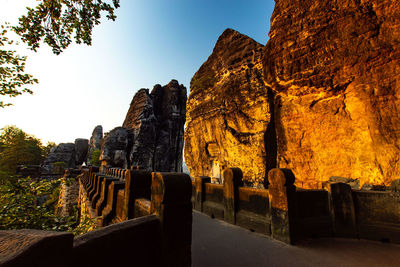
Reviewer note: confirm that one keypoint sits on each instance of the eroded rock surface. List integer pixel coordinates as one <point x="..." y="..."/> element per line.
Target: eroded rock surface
<point x="229" y="110"/>
<point x="140" y="118"/>
<point x="170" y="112"/>
<point x="115" y="148"/>
<point x="157" y="122"/>
<point x="335" y="66"/>
<point x="64" y="152"/>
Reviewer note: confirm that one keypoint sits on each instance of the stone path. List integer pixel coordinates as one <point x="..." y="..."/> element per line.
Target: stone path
<point x="216" y="243"/>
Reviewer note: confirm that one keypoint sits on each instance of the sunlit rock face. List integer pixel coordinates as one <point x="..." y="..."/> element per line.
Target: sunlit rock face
<point x="335" y="67"/>
<point x="229" y="112"/>
<point x="157" y="122"/>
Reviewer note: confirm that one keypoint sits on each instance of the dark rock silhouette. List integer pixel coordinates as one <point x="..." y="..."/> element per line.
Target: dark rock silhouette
<point x="170" y="112"/>
<point x="151" y="136"/>
<point x="81" y="150"/>
<point x="115" y="148"/>
<point x="64" y="152"/>
<point x="142" y="121"/>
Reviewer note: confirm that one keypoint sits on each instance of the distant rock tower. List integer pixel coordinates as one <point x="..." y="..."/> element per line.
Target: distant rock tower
<point x="95" y="141"/>
<point x="151" y="136"/>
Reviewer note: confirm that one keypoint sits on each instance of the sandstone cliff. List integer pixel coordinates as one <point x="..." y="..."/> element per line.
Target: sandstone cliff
<point x="335" y="66"/>
<point x="229" y="112"/>
<point x="152" y="134"/>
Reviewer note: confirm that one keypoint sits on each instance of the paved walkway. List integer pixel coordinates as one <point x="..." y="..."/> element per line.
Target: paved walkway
<point x="216" y="243"/>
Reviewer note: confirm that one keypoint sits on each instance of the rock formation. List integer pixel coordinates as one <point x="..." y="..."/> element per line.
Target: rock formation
<point x="64" y="152"/>
<point x="170" y="111"/>
<point x="229" y="111"/>
<point x="328" y="104"/>
<point x="141" y="119"/>
<point x="152" y="134"/>
<point x="115" y="148"/>
<point x="157" y="121"/>
<point x="335" y="66"/>
<point x="81" y="150"/>
<point x="95" y="141"/>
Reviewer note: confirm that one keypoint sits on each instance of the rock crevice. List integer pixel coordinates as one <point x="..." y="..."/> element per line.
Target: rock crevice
<point x="321" y="98"/>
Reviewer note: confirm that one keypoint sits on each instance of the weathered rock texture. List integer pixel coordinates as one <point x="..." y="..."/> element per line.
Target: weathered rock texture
<point x="81" y="150"/>
<point x="170" y="110"/>
<point x="64" y="152"/>
<point x="229" y="112"/>
<point x="157" y="121"/>
<point x="141" y="119"/>
<point x="95" y="141"/>
<point x="335" y="66"/>
<point x="115" y="148"/>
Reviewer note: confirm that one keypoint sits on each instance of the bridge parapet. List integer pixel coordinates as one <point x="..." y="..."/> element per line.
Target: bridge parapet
<point x="116" y="195"/>
<point x="288" y="213"/>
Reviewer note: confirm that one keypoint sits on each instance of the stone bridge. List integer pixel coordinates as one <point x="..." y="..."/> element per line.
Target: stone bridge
<point x="147" y="217"/>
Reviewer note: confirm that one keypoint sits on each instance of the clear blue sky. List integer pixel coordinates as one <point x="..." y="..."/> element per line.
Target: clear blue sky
<point x="150" y="42"/>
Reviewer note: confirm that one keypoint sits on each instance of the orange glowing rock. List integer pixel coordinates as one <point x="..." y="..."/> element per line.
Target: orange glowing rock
<point x="335" y="67"/>
<point x="228" y="111"/>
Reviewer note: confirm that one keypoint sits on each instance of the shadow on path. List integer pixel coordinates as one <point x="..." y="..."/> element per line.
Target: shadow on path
<point x="216" y="243"/>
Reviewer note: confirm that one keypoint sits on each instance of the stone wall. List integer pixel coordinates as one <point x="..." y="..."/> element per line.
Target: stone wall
<point x="291" y="214"/>
<point x="68" y="198"/>
<point x="116" y="195"/>
<point x="87" y="213"/>
<point x="69" y="193"/>
<point x="134" y="242"/>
